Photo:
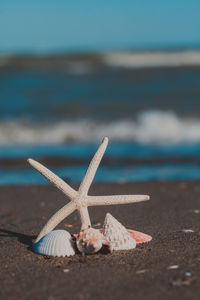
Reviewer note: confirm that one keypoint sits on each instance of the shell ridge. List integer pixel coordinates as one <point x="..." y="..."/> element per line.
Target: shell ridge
<point x="55" y="248"/>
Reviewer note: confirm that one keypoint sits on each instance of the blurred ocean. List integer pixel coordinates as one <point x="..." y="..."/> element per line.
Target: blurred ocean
<point x="147" y="103"/>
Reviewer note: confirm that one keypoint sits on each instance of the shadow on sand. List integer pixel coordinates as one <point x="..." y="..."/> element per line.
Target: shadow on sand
<point x="22" y="238"/>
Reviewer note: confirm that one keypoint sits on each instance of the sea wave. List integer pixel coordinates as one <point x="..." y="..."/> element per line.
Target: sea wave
<point x="148" y="127"/>
<point x="152" y="59"/>
<point x="121" y="174"/>
<point x="87" y="63"/>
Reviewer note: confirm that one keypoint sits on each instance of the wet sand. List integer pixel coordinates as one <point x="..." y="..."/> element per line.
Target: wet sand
<point x="141" y="273"/>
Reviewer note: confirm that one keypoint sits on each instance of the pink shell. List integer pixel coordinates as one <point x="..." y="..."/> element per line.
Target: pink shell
<point x="140" y="237"/>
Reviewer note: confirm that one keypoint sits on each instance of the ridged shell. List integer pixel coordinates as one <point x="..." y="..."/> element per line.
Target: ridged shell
<point x="117" y="235"/>
<point x="55" y="243"/>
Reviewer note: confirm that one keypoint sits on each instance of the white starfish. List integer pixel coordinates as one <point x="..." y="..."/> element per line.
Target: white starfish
<point x="80" y="200"/>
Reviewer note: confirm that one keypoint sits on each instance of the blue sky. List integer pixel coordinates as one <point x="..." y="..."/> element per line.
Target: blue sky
<point x="48" y="26"/>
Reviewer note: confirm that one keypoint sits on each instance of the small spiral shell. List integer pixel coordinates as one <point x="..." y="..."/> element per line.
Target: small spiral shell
<point x="90" y="240"/>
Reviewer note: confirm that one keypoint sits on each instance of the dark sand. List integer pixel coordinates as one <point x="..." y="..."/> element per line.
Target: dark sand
<point x="141" y="273"/>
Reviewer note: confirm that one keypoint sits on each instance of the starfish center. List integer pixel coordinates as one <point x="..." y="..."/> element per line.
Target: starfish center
<point x="80" y="202"/>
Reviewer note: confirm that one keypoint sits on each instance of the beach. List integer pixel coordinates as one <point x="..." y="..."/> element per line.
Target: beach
<point x="56" y="109"/>
<point x="105" y="98"/>
<point x="165" y="268"/>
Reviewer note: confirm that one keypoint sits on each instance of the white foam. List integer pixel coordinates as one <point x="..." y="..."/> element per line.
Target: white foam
<point x="152" y="59"/>
<point x="148" y="127"/>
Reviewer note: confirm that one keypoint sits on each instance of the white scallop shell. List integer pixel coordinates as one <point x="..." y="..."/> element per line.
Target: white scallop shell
<point x="117" y="235"/>
<point x="55" y="243"/>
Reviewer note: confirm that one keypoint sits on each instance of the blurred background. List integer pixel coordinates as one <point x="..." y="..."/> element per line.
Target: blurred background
<point x="74" y="72"/>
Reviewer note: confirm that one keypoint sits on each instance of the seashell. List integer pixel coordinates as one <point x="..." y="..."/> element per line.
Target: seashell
<point x="117" y="235"/>
<point x="140" y="237"/>
<point x="55" y="243"/>
<point x="90" y="240"/>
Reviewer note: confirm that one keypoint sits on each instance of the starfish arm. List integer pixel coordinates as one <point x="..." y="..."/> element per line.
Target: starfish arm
<point x="54" y="179"/>
<point x="115" y="199"/>
<point x="85" y="218"/>
<point x="56" y="219"/>
<point x="89" y="176"/>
